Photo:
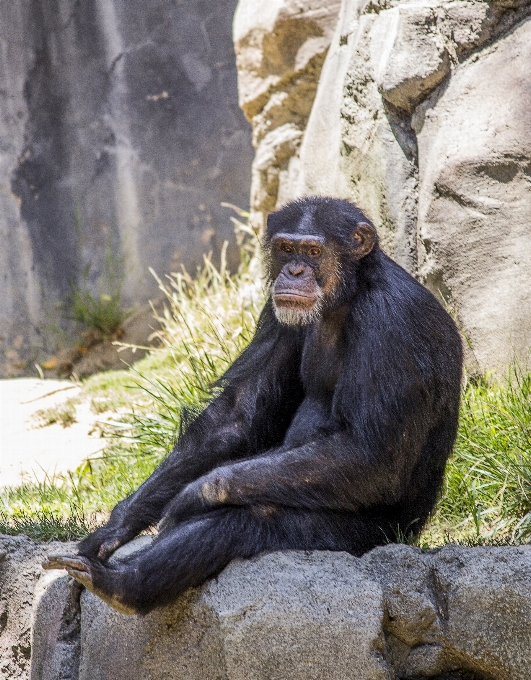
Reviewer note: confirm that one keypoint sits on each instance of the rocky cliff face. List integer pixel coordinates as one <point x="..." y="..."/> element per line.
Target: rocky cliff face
<point x="420" y="114"/>
<point x="280" y="50"/>
<point x="120" y="135"/>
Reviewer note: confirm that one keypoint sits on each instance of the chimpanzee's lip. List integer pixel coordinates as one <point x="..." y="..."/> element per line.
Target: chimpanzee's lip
<point x="291" y="297"/>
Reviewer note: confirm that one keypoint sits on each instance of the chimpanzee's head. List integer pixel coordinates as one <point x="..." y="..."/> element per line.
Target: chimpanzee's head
<point x="313" y="247"/>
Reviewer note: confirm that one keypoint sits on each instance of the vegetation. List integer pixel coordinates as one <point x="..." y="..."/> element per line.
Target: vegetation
<point x="64" y="414"/>
<point x="208" y="320"/>
<point x="104" y="312"/>
<point x="487" y="495"/>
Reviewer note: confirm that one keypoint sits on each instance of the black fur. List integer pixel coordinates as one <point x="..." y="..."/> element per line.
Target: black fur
<point x="331" y="436"/>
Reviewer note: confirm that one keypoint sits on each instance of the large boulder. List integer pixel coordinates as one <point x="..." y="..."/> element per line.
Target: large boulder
<point x="286" y="615"/>
<point x="121" y="136"/>
<point x="398" y="612"/>
<point x="474" y="197"/>
<point x="421" y="117"/>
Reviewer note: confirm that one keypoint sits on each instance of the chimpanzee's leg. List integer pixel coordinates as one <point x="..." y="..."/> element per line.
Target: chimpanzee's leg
<point x="191" y="552"/>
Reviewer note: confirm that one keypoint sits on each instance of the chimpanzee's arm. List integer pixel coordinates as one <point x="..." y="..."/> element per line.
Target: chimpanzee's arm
<point x="324" y="473"/>
<point x="260" y="393"/>
<point x="366" y="463"/>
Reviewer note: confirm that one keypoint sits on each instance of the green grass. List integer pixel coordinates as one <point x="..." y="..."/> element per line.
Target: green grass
<point x="208" y="320"/>
<point x="487" y="495"/>
<point x="65" y="414"/>
<point x="104" y="312"/>
<point x="100" y="312"/>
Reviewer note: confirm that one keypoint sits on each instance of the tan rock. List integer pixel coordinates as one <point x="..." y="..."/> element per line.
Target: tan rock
<point x="357" y="147"/>
<point x="280" y="48"/>
<point x="285" y="615"/>
<point x="397" y="612"/>
<point x="421" y="117"/>
<point x="414" y="59"/>
<point x="20" y="570"/>
<point x="475" y="198"/>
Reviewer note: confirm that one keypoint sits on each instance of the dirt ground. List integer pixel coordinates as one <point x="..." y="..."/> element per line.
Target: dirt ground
<point x="29" y="451"/>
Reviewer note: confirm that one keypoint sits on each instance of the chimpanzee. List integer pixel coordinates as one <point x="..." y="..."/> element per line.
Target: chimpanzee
<point x="330" y="432"/>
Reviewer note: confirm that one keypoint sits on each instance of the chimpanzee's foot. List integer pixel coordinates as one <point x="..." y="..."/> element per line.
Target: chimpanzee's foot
<point x="95" y="576"/>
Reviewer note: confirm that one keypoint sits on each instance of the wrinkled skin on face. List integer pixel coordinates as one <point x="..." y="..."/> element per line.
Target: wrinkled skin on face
<point x="307" y="270"/>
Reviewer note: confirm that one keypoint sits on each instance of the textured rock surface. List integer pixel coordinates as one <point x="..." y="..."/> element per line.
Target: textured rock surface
<point x="475" y="196"/>
<point x="397" y="613"/>
<point x="278" y="616"/>
<point x="419" y="118"/>
<point x="120" y="131"/>
<point x="455" y="610"/>
<point x="20" y="569"/>
<point x="280" y="49"/>
<point x="55" y="634"/>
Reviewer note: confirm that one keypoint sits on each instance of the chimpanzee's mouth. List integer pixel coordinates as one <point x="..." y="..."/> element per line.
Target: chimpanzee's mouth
<point x="293" y="299"/>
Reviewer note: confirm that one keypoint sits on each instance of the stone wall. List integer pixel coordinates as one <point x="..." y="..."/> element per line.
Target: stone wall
<point x="397" y="613"/>
<point x="419" y="113"/>
<point x="120" y="135"/>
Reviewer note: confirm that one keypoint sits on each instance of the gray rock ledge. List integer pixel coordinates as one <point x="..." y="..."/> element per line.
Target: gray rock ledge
<point x="397" y="613"/>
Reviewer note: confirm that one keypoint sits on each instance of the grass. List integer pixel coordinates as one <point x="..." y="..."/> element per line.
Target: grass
<point x="208" y="320"/>
<point x="103" y="312"/>
<point x="487" y="495"/>
<point x="65" y="414"/>
<point x="100" y="312"/>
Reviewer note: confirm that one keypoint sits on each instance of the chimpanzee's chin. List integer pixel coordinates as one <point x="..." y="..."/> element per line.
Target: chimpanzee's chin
<point x="291" y="315"/>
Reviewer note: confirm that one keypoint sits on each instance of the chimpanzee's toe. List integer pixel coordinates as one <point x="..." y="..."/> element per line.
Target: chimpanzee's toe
<point x="95" y="576"/>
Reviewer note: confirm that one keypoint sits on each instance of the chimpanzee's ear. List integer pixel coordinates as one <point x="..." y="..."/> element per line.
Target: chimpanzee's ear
<point x="364" y="238"/>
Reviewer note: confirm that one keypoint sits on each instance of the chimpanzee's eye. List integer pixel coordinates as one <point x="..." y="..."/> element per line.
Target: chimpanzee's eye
<point x="286" y="248"/>
<point x="314" y="252"/>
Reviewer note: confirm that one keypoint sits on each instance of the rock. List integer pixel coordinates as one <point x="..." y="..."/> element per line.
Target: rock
<point x="370" y="154"/>
<point x="398" y="612"/>
<point x="20" y="570"/>
<point x="121" y="136"/>
<point x="284" y="615"/>
<point x="55" y="641"/>
<point x="474" y="207"/>
<point x="420" y="119"/>
<point x="414" y="60"/>
<point x="455" y="609"/>
<point x="280" y="48"/>
<point x="485" y="608"/>
<point x="296" y="615"/>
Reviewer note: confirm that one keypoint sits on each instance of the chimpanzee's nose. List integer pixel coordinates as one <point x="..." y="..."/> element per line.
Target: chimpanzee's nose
<point x="296" y="269"/>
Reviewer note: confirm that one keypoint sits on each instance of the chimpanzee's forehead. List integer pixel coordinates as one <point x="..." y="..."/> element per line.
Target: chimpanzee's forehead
<point x="316" y="215"/>
<point x="311" y="218"/>
<point x="307" y="223"/>
<point x="297" y="219"/>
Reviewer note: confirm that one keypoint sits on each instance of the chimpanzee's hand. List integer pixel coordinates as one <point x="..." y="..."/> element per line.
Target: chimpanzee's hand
<point x="206" y="493"/>
<point x="104" y="541"/>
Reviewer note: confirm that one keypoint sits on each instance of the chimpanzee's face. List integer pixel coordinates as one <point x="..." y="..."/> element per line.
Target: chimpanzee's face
<point x="306" y="266"/>
<point x="303" y="265"/>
